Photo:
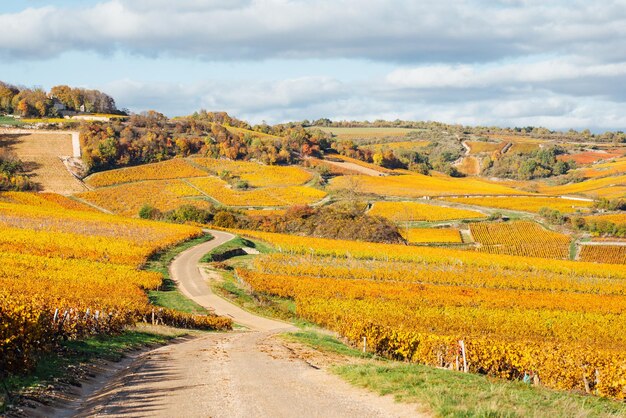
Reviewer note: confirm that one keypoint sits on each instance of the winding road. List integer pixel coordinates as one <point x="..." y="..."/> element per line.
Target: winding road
<point x="248" y="373"/>
<point x="194" y="283"/>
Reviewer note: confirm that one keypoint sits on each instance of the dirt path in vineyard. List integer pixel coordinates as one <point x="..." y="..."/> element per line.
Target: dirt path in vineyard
<point x="249" y="373"/>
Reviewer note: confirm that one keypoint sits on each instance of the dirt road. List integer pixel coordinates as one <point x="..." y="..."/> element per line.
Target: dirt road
<point x="242" y="374"/>
<point x="238" y="374"/>
<point x="192" y="281"/>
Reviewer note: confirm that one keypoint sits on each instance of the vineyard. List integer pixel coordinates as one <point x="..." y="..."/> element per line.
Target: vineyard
<point x="366" y="135"/>
<point x="613" y="254"/>
<point x="171" y="169"/>
<point x="431" y="235"/>
<point x="526" y="204"/>
<point x="199" y="182"/>
<point x="440" y="256"/>
<point x="256" y="175"/>
<point x="266" y="196"/>
<point x="414" y="211"/>
<point x="417" y="185"/>
<point x="127" y="199"/>
<point x="612" y="168"/>
<point x="608" y="187"/>
<point x="364" y="164"/>
<point x="397" y="146"/>
<point x="510" y="298"/>
<point x="558" y="320"/>
<point x="68" y="273"/>
<point x="265" y="212"/>
<point x="469" y="166"/>
<point x="616" y="218"/>
<point x="520" y="238"/>
<point x="478" y="147"/>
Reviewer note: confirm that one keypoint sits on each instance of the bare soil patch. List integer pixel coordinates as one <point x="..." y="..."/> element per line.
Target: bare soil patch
<point x="41" y="154"/>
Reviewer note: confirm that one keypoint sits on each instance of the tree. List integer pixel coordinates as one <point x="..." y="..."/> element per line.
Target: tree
<point x="23" y="108"/>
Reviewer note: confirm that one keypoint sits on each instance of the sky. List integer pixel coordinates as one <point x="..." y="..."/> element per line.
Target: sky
<point x="558" y="64"/>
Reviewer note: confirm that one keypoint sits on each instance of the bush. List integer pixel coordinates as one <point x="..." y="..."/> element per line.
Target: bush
<point x="552" y="215"/>
<point x="341" y="221"/>
<point x="242" y="185"/>
<point x="189" y="213"/>
<point x="496" y="216"/>
<point x="149" y="212"/>
<point x="10" y="180"/>
<point x="607" y="204"/>
<point x="225" y="219"/>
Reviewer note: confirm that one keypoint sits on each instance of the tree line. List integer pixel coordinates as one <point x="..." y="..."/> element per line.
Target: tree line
<point x="36" y="102"/>
<point x="343" y="220"/>
<point x="570" y="135"/>
<point x="151" y="137"/>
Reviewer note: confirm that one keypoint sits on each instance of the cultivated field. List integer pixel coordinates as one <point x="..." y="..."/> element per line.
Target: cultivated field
<point x="603" y="253"/>
<point x="200" y="182"/>
<point x="608" y="187"/>
<point x="127" y="199"/>
<point x="397" y="146"/>
<point x="68" y="273"/>
<point x="520" y="238"/>
<point x="40" y="152"/>
<point x="415" y="211"/>
<point x="612" y="168"/>
<point x="171" y="169"/>
<point x="431" y="235"/>
<point x="256" y="175"/>
<point x="479" y="147"/>
<point x="417" y="185"/>
<point x="515" y="315"/>
<point x="367" y="135"/>
<point x="479" y="278"/>
<point x="616" y="218"/>
<point x="526" y="204"/>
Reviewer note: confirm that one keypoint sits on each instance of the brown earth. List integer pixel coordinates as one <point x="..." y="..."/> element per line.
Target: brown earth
<point x="243" y="374"/>
<point x="238" y="374"/>
<point x="40" y="152"/>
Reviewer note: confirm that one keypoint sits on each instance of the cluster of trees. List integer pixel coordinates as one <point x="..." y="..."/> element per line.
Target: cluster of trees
<point x="352" y="150"/>
<point x="145" y="138"/>
<point x="610" y="204"/>
<point x="541" y="163"/>
<point x="340" y="221"/>
<point x="594" y="226"/>
<point x="11" y="178"/>
<point x="600" y="227"/>
<point x="36" y="102"/>
<point x="438" y="155"/>
<point x="75" y="99"/>
<point x="553" y="216"/>
<point x="151" y="137"/>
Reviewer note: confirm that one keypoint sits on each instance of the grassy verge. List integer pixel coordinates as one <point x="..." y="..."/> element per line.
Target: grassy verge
<point x="573" y="249"/>
<point x="168" y="295"/>
<point x="63" y="365"/>
<point x="5" y="120"/>
<point x="453" y="394"/>
<point x="265" y="305"/>
<point x="234" y="244"/>
<point x="325" y="342"/>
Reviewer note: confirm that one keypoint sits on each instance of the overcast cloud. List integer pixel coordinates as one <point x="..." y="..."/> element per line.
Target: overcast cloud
<point x="507" y="62"/>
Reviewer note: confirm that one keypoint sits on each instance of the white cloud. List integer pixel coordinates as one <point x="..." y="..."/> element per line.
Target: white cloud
<point x="313" y="98"/>
<point x="506" y="62"/>
<point x="402" y="30"/>
<point x="466" y="76"/>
